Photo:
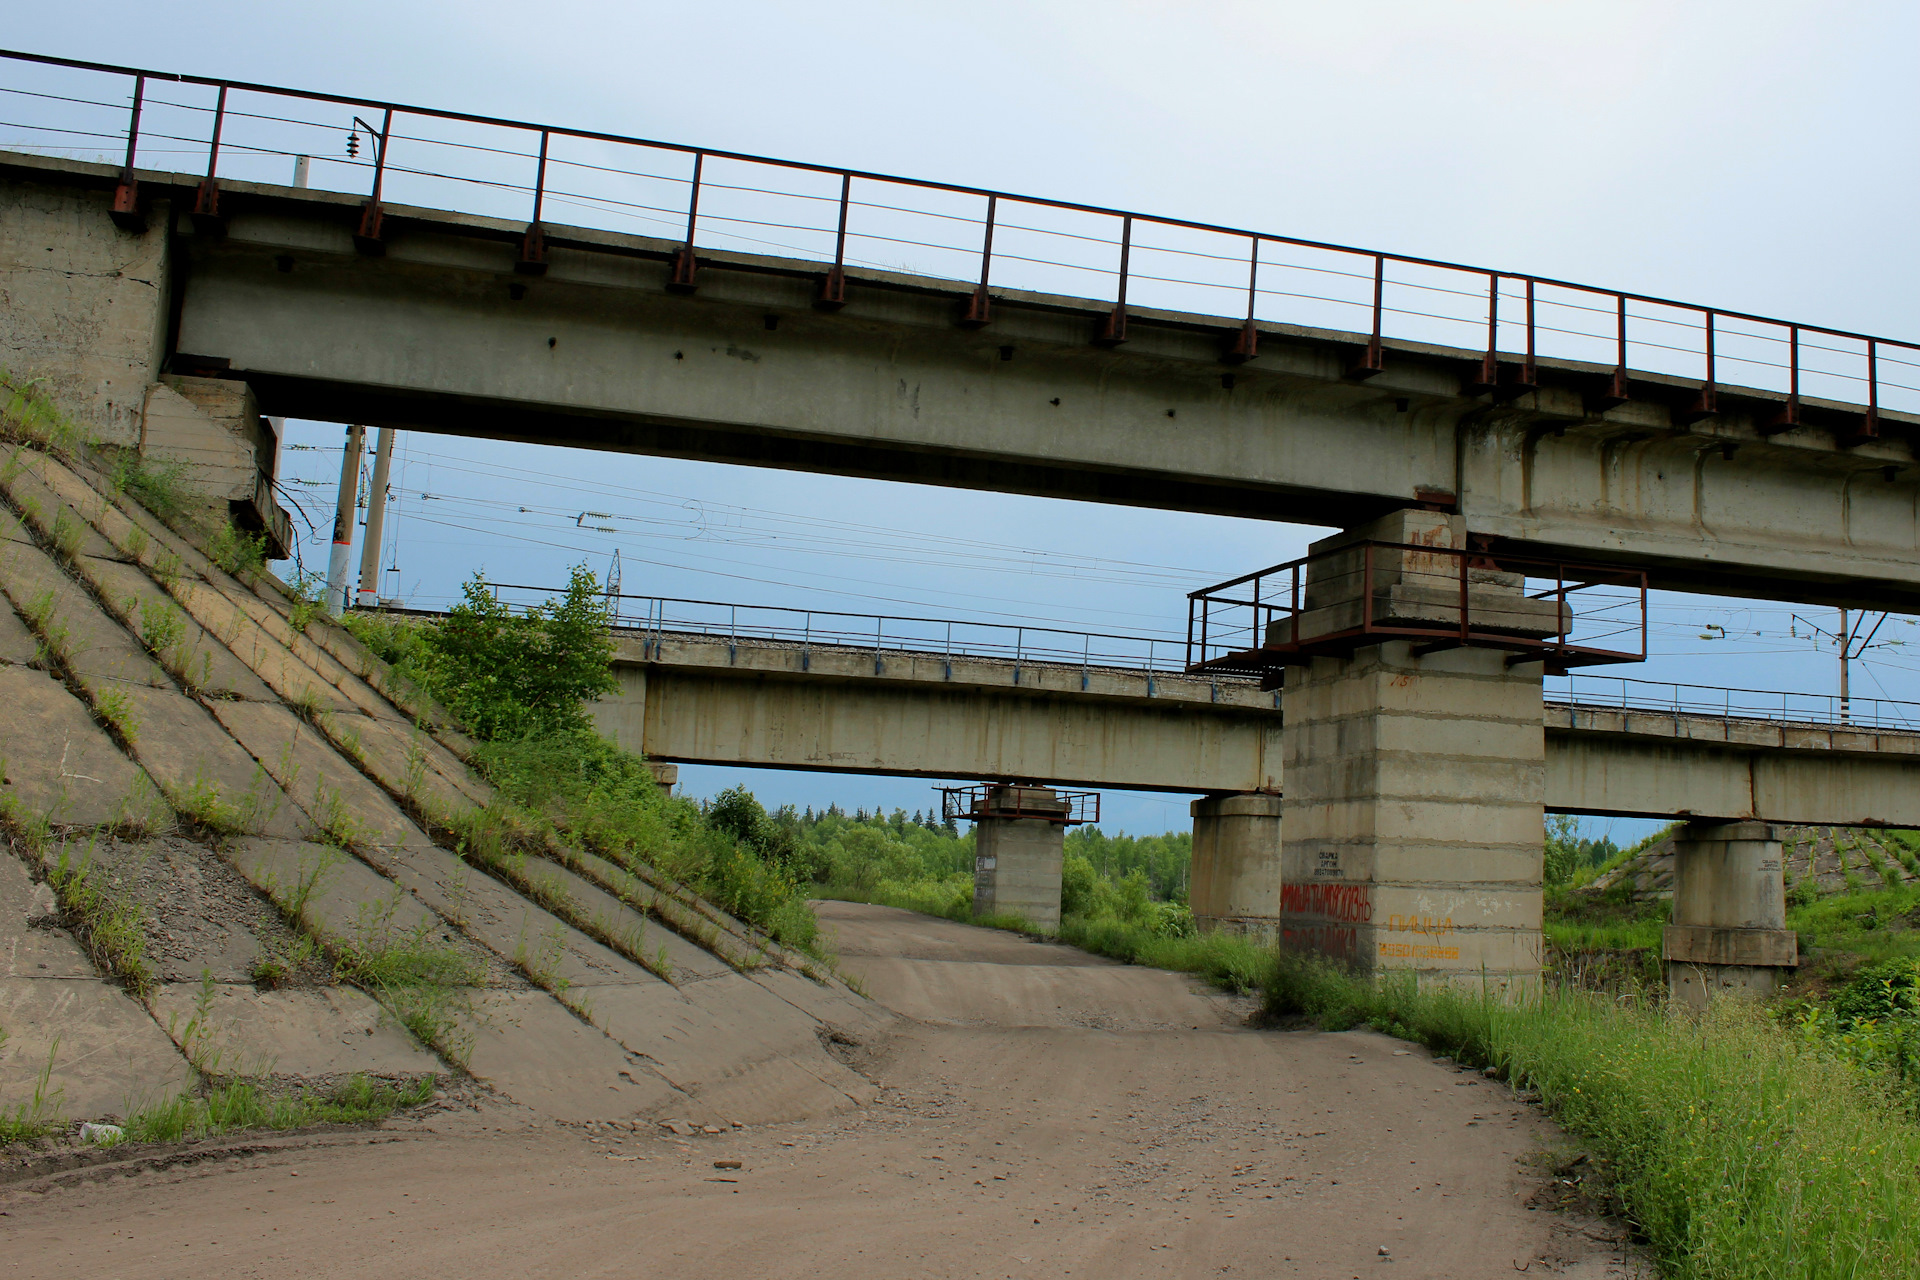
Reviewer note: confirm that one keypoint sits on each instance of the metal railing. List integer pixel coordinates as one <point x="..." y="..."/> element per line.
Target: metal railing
<point x="1771" y="705"/>
<point x="705" y="200"/>
<point x="1365" y="592"/>
<point x="1014" y="800"/>
<point x="657" y="618"/>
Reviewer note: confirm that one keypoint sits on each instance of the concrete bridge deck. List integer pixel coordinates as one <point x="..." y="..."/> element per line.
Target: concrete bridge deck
<point x="692" y="697"/>
<point x="439" y="333"/>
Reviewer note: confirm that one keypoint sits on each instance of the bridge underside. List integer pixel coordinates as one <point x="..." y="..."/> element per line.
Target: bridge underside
<point x="440" y="334"/>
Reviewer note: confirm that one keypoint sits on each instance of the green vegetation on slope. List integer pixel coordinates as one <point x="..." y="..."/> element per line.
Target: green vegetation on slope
<point x="520" y="682"/>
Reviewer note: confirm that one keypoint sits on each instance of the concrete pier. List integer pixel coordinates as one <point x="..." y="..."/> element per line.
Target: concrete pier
<point x="1415" y="776"/>
<point x="1020" y="835"/>
<point x="1235" y="882"/>
<point x="1729" y="934"/>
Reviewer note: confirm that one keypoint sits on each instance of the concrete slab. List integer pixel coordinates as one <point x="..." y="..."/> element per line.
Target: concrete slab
<point x="197" y="762"/>
<point x="363" y="696"/>
<point x="685" y="956"/>
<point x="108" y="1054"/>
<point x="407" y="761"/>
<point x="52" y="515"/>
<point x="506" y="922"/>
<point x="318" y="1031"/>
<point x="732" y="1045"/>
<point x="28" y="950"/>
<point x="290" y="679"/>
<point x="101" y="651"/>
<point x="352" y="903"/>
<point x="830" y="1001"/>
<point x="17" y="645"/>
<point x="322" y="782"/>
<point x="690" y="962"/>
<point x="57" y="763"/>
<point x="535" y="1052"/>
<point x="197" y="657"/>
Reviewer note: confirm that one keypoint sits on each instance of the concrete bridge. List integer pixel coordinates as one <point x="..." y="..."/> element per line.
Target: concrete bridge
<point x="1443" y="419"/>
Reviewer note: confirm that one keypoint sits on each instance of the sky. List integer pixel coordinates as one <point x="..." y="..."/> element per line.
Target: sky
<point x="1756" y="156"/>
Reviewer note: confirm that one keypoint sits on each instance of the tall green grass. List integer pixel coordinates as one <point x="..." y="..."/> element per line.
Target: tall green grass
<point x="244" y="1104"/>
<point x="1739" y="1148"/>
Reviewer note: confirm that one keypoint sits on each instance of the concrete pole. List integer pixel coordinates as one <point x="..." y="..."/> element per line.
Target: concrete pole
<point x="376" y="521"/>
<point x="343" y="521"/>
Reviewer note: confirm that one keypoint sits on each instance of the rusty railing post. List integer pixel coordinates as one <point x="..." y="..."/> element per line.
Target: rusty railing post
<point x="369" y="238"/>
<point x="1489" y="363"/>
<point x="1369" y="363"/>
<point x="681" y="276"/>
<point x="1789" y="416"/>
<point x="1246" y="345"/>
<point x="206" y="201"/>
<point x="126" y="196"/>
<point x="1113" y="330"/>
<point x="833" y="287"/>
<point x="979" y="310"/>
<point x="533" y="245"/>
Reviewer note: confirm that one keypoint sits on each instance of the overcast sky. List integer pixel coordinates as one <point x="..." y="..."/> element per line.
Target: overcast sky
<point x="1755" y="156"/>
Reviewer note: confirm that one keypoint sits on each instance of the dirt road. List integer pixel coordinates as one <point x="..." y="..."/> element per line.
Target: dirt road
<point x="1042" y="1112"/>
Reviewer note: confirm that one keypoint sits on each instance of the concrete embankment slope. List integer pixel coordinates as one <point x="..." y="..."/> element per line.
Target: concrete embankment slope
<point x="273" y="807"/>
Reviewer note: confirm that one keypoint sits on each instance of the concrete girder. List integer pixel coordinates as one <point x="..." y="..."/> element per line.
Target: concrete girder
<point x="440" y="334"/>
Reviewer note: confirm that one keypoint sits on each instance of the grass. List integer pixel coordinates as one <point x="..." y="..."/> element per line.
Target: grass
<point x="1739" y="1148"/>
<point x="245" y="1104"/>
<point x="423" y="983"/>
<point x="110" y="925"/>
<point x="39" y="1115"/>
<point x="158" y="486"/>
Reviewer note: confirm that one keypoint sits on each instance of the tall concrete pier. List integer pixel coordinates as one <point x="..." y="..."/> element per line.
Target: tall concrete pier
<point x="1020" y="837"/>
<point x="1415" y="773"/>
<point x="1729" y="934"/>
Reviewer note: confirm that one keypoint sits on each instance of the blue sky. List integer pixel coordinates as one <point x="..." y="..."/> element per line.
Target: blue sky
<point x="1755" y="156"/>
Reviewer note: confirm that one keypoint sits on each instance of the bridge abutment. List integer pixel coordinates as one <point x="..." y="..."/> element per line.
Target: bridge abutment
<point x="1729" y="934"/>
<point x="1020" y="835"/>
<point x="1235" y="883"/>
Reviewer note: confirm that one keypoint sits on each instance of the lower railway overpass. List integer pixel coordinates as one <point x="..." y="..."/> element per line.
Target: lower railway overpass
<point x="1627" y="748"/>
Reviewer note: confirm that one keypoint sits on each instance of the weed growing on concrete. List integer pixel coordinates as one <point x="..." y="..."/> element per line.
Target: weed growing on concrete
<point x="336" y="822"/>
<point x="54" y="640"/>
<point x="246" y="1104"/>
<point x="196" y="1037"/>
<point x="135" y="544"/>
<point x="240" y="554"/>
<point x="110" y="925"/>
<point x="162" y="626"/>
<point x="158" y="486"/>
<point x="542" y="962"/>
<point x="39" y="1115"/>
<point x="68" y="531"/>
<point x="115" y="709"/>
<point x="200" y="802"/>
<point x="424" y="984"/>
<point x="167" y="567"/>
<point x="30" y="830"/>
<point x="27" y="416"/>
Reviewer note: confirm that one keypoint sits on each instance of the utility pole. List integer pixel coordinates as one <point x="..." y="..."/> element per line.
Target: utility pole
<point x="376" y="521"/>
<point x="343" y="521"/>
<point x="1846" y="644"/>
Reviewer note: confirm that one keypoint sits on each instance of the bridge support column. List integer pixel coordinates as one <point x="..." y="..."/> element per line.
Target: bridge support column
<point x="1729" y="934"/>
<point x="1412" y="818"/>
<point x="1236" y="863"/>
<point x="1020" y="836"/>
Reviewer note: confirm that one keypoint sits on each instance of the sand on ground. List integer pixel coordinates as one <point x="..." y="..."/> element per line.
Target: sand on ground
<point x="1042" y="1112"/>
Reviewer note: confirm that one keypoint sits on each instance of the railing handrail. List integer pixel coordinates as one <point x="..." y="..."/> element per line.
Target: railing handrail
<point x="846" y="613"/>
<point x="1709" y="314"/>
<point x="1841" y="710"/>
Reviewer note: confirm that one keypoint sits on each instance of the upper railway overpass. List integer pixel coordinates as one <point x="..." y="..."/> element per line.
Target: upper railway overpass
<point x="703" y="304"/>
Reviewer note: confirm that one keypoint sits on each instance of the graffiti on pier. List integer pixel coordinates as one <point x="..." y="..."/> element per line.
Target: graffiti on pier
<point x="1348" y="903"/>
